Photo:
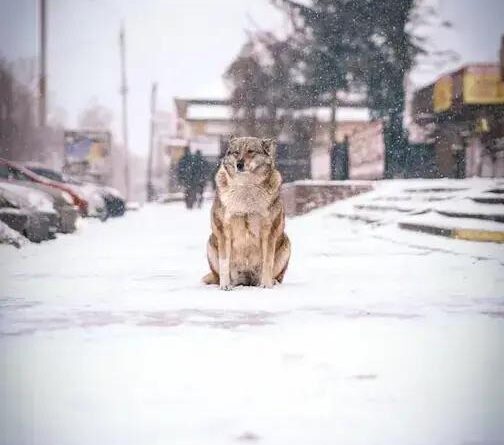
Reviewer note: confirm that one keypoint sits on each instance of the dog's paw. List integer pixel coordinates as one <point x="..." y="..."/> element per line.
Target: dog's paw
<point x="266" y="285"/>
<point x="225" y="287"/>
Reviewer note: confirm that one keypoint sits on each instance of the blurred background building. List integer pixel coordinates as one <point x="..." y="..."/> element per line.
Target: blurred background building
<point x="462" y="115"/>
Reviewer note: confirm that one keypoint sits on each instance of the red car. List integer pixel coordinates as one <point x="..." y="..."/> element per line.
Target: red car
<point x="11" y="170"/>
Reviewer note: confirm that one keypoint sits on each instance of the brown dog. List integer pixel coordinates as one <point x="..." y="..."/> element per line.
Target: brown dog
<point x="248" y="245"/>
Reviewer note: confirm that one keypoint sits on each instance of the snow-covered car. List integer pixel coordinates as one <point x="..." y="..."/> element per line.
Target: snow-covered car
<point x="12" y="171"/>
<point x="29" y="223"/>
<point x="96" y="204"/>
<point x="10" y="236"/>
<point x="91" y="192"/>
<point x="35" y="201"/>
<point x="115" y="203"/>
<point x="62" y="202"/>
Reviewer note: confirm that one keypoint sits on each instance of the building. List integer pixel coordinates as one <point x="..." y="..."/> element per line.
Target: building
<point x="462" y="114"/>
<point x="324" y="160"/>
<point x="366" y="152"/>
<point x="207" y="124"/>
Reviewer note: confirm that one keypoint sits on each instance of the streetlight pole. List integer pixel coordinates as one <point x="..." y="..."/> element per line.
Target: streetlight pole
<point x="42" y="104"/>
<point x="124" y="94"/>
<point x="150" y="187"/>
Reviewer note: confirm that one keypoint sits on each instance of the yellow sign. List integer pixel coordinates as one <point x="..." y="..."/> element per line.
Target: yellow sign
<point x="442" y="95"/>
<point x="96" y="152"/>
<point x="483" y="85"/>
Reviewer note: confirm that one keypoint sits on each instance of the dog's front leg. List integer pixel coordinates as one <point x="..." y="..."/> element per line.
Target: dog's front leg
<point x="268" y="255"/>
<point x="224" y="260"/>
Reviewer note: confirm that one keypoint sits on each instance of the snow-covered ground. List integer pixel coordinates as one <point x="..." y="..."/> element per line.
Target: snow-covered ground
<point x="377" y="336"/>
<point x="445" y="203"/>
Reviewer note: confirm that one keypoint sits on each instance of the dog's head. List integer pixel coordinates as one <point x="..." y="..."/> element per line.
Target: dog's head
<point x="249" y="155"/>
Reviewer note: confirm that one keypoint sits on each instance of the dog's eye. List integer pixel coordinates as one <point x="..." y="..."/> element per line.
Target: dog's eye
<point x="250" y="152"/>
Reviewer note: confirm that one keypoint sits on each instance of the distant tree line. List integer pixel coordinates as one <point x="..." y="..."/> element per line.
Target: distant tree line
<point x="21" y="138"/>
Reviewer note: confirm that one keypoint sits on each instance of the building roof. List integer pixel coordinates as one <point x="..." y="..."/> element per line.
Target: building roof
<point x="222" y="111"/>
<point x="209" y="112"/>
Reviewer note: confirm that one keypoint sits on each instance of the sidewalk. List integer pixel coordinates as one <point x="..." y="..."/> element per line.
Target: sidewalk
<point x="471" y="209"/>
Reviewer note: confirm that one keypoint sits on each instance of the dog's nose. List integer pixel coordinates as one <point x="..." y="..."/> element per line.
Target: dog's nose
<point x="240" y="165"/>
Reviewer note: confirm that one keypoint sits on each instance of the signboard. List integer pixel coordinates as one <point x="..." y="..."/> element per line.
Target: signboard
<point x="87" y="152"/>
<point x="442" y="94"/>
<point x="366" y="152"/>
<point x="483" y="85"/>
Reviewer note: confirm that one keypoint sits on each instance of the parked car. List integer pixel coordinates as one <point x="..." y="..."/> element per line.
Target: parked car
<point x="62" y="202"/>
<point x="32" y="200"/>
<point x="10" y="236"/>
<point x="12" y="171"/>
<point x="114" y="202"/>
<point x="32" y="224"/>
<point x="96" y="203"/>
<point x="97" y="206"/>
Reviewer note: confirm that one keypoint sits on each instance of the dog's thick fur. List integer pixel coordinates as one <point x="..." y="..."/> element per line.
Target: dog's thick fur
<point x="248" y="245"/>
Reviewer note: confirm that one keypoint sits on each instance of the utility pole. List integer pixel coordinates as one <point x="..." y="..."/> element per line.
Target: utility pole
<point x="42" y="104"/>
<point x="124" y="94"/>
<point x="150" y="187"/>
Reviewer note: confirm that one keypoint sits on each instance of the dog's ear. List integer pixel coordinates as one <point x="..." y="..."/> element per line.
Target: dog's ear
<point x="269" y="146"/>
<point x="229" y="142"/>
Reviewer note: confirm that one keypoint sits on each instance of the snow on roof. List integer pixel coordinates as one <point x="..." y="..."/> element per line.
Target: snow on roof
<point x="343" y="114"/>
<point x="176" y="142"/>
<point x="323" y="114"/>
<point x="209" y="112"/>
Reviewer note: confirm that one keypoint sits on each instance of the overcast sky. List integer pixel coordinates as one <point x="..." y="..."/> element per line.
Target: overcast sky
<point x="184" y="45"/>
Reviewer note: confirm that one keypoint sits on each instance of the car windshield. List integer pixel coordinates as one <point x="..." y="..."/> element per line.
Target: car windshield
<point x="49" y="174"/>
<point x="20" y="175"/>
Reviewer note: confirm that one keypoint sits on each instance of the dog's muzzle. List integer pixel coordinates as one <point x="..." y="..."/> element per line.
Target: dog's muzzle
<point x="240" y="166"/>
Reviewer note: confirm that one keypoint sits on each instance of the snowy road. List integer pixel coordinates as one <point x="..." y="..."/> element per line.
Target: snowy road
<point x="376" y="337"/>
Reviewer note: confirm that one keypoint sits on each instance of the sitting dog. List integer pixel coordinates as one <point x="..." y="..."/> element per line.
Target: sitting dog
<point x="248" y="245"/>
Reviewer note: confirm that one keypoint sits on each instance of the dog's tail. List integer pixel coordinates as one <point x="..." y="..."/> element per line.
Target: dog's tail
<point x="210" y="278"/>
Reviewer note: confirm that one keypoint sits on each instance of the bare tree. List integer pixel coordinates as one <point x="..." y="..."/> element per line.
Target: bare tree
<point x="18" y="130"/>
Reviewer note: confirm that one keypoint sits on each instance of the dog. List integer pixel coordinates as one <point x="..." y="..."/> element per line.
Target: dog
<point x="248" y="245"/>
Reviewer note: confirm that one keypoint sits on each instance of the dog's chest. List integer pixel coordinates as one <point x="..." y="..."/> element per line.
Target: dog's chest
<point x="245" y="229"/>
<point x="245" y="248"/>
<point x="245" y="200"/>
